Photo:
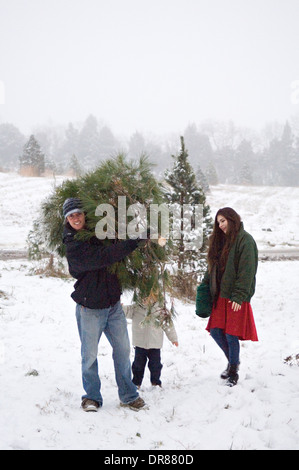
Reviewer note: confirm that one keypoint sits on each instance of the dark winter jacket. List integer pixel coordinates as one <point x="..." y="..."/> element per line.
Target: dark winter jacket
<point x="239" y="278"/>
<point x="88" y="261"/>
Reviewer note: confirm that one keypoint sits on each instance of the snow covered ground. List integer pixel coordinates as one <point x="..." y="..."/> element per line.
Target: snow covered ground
<point x="40" y="379"/>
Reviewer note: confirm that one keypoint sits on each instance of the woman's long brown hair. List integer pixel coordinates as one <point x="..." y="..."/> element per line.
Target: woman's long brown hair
<point x="221" y="243"/>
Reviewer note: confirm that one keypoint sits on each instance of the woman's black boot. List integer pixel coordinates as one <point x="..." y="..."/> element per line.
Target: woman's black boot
<point x="225" y="373"/>
<point x="233" y="376"/>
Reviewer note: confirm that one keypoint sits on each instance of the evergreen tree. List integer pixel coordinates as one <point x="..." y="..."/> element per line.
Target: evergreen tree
<point x="183" y="190"/>
<point x="199" y="147"/>
<point x="136" y="145"/>
<point x="74" y="166"/>
<point x="107" y="143"/>
<point x="243" y="157"/>
<point x="294" y="166"/>
<point x="11" y="144"/>
<point x="289" y="162"/>
<point x="211" y="174"/>
<point x="50" y="166"/>
<point x="32" y="156"/>
<point x="71" y="141"/>
<point x="280" y="158"/>
<point x="88" y="143"/>
<point x="246" y="174"/>
<point x="202" y="180"/>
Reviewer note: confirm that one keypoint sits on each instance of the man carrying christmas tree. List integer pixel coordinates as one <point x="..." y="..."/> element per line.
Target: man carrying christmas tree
<point x="97" y="294"/>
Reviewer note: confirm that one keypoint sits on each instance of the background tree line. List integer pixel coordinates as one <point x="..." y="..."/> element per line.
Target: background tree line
<point x="219" y="152"/>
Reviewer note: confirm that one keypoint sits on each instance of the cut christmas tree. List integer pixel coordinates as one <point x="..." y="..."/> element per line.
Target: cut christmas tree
<point x="116" y="199"/>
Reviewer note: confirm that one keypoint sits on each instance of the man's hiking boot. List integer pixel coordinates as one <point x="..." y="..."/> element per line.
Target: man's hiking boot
<point x="90" y="405"/>
<point x="135" y="405"/>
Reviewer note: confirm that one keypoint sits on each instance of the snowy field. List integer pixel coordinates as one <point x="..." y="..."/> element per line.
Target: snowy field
<point x="40" y="378"/>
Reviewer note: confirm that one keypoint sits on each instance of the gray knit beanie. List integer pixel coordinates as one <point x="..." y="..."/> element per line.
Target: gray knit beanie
<point x="72" y="205"/>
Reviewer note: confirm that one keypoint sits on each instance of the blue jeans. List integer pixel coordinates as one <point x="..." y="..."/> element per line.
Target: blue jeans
<point x="112" y="322"/>
<point x="229" y="344"/>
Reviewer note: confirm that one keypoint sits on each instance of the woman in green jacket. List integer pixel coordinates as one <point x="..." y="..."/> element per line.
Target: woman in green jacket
<point x="232" y="266"/>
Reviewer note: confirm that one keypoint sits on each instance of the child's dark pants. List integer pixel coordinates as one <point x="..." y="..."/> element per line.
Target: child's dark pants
<point x="154" y="364"/>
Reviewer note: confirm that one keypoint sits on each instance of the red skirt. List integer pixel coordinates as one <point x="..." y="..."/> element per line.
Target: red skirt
<point x="240" y="323"/>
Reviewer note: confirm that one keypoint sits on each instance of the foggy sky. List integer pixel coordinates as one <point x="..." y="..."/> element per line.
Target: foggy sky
<point x="148" y="65"/>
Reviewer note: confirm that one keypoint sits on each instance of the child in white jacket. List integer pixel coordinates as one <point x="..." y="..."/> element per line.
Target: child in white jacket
<point x="147" y="338"/>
